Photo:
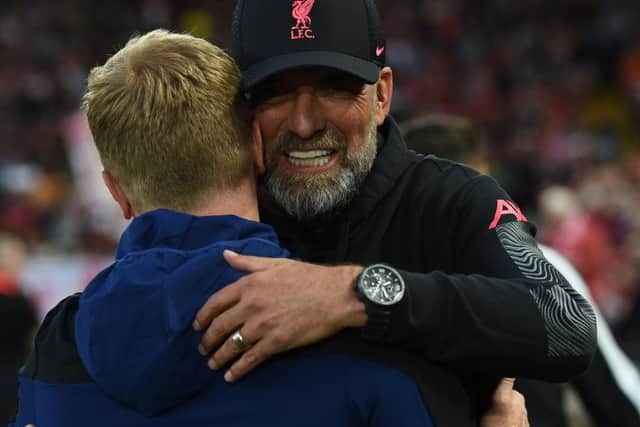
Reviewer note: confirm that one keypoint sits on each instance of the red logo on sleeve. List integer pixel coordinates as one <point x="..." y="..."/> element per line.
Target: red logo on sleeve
<point x="505" y="207"/>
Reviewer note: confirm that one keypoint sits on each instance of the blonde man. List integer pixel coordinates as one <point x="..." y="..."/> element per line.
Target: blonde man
<point x="163" y="117"/>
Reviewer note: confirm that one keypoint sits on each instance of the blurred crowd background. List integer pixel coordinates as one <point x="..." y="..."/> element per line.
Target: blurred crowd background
<point x="552" y="87"/>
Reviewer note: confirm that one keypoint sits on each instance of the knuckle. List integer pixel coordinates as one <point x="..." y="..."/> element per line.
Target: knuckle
<point x="265" y="322"/>
<point x="260" y="326"/>
<point x="279" y="338"/>
<point x="210" y="305"/>
<point x="222" y="355"/>
<point x="251" y="281"/>
<point x="256" y="302"/>
<point x="501" y="402"/>
<point x="203" y="316"/>
<point x="253" y="303"/>
<point x="215" y="331"/>
<point x="206" y="313"/>
<point x="250" y="359"/>
<point x="269" y="323"/>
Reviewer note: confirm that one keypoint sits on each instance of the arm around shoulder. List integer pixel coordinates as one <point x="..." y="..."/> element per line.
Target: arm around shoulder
<point x="503" y="310"/>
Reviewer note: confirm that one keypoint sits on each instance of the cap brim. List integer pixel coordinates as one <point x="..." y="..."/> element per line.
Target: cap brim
<point x="367" y="71"/>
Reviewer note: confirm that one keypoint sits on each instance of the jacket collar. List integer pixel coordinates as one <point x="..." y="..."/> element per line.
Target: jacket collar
<point x="163" y="228"/>
<point x="392" y="160"/>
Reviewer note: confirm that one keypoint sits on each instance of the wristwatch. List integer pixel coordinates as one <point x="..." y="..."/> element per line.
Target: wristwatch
<point x="380" y="288"/>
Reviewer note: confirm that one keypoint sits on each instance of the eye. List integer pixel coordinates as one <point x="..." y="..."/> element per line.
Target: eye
<point x="270" y="93"/>
<point x="341" y="87"/>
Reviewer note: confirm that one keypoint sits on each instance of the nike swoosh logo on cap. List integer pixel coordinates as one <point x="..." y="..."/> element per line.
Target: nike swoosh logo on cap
<point x="379" y="50"/>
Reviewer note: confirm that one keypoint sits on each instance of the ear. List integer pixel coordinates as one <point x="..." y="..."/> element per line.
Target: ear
<point x="384" y="93"/>
<point x="257" y="148"/>
<point x="118" y="194"/>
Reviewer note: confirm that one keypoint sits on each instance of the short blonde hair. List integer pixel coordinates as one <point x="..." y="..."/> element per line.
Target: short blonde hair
<point x="164" y="117"/>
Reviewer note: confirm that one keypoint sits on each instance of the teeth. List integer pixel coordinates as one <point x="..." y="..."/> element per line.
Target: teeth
<point x="310" y="163"/>
<point x="309" y="154"/>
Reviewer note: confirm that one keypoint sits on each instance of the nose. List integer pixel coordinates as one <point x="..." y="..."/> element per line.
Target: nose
<point x="306" y="118"/>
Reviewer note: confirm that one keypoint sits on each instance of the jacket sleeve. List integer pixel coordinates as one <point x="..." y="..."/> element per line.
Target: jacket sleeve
<point x="502" y="309"/>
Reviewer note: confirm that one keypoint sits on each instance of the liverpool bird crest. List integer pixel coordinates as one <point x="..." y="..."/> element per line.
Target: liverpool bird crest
<point x="300" y="12"/>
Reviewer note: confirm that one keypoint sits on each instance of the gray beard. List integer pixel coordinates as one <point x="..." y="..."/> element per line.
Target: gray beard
<point x="306" y="199"/>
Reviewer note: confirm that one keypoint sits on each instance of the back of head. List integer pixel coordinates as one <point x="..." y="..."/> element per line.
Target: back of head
<point x="164" y="117"/>
<point x="446" y="136"/>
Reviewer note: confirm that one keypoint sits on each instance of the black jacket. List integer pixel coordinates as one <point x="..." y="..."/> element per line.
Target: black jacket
<point x="481" y="299"/>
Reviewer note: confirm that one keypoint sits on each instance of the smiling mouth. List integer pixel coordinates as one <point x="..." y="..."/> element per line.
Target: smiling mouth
<point x="309" y="159"/>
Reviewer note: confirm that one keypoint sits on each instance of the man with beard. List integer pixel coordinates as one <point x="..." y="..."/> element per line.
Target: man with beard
<point x="462" y="282"/>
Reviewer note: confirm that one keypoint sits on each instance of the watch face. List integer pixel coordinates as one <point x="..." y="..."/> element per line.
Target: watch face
<point x="382" y="285"/>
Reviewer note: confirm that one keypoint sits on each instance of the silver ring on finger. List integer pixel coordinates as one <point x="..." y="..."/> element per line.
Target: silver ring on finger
<point x="239" y="341"/>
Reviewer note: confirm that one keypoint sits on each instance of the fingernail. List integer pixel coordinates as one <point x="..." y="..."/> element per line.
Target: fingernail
<point x="202" y="350"/>
<point x="196" y="325"/>
<point x="229" y="252"/>
<point x="228" y="377"/>
<point x="212" y="364"/>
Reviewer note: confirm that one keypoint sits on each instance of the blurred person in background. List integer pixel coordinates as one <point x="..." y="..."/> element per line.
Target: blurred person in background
<point x="178" y="160"/>
<point x="448" y="137"/>
<point x="610" y="388"/>
<point x="18" y="322"/>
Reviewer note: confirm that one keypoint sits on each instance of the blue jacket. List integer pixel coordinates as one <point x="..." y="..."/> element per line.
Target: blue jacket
<point x="124" y="353"/>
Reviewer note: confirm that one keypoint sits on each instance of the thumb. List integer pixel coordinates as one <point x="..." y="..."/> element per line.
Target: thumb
<point x="504" y="390"/>
<point x="250" y="264"/>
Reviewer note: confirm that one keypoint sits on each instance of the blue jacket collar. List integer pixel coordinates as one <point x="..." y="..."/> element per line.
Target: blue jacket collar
<point x="163" y="228"/>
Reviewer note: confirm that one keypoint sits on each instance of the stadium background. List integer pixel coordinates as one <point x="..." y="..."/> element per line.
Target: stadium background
<point x="553" y="88"/>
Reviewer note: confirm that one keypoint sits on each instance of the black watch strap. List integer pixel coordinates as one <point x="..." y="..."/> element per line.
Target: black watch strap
<point x="378" y="317"/>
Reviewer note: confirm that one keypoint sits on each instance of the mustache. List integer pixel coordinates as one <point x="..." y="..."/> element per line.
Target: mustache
<point x="326" y="140"/>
